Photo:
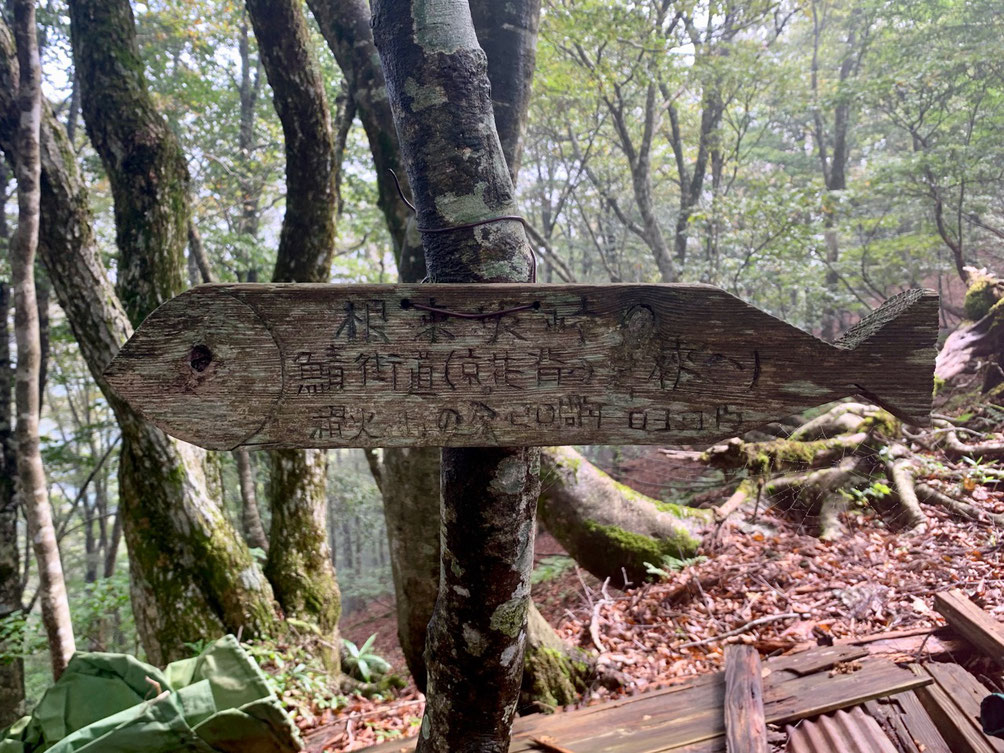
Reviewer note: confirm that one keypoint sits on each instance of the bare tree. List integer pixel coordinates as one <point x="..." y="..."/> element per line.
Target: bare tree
<point x="31" y="476"/>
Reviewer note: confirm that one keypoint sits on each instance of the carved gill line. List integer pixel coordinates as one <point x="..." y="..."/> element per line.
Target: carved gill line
<point x="279" y="399"/>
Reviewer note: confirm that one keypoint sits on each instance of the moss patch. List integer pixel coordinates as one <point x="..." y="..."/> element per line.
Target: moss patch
<point x="980" y="298"/>
<point x="553" y="679"/>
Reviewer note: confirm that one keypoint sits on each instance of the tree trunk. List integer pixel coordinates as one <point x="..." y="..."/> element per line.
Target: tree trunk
<point x="439" y="91"/>
<point x="212" y="583"/>
<point x="142" y="156"/>
<point x="299" y="563"/>
<point x="254" y="531"/>
<point x="12" y="671"/>
<point x="507" y="32"/>
<point x="32" y="488"/>
<point x="345" y="25"/>
<point x="408" y="479"/>
<point x="608" y="528"/>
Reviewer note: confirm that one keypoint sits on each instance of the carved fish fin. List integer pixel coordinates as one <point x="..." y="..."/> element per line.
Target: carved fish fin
<point x="895" y="348"/>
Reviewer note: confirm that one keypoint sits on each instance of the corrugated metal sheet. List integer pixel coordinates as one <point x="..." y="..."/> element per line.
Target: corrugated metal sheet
<point x="841" y="732"/>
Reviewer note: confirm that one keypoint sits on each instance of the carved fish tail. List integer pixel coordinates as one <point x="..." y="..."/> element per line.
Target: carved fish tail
<point x="895" y="349"/>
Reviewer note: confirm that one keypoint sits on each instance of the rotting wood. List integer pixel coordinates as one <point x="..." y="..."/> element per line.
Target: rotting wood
<point x="958" y="730"/>
<point x="689" y="718"/>
<point x="966" y="692"/>
<point x="972" y="623"/>
<point x="745" y="725"/>
<point x="905" y="719"/>
<point x="808" y="662"/>
<point x="511" y="364"/>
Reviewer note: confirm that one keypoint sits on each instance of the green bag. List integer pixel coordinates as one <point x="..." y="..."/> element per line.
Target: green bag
<point x="217" y="702"/>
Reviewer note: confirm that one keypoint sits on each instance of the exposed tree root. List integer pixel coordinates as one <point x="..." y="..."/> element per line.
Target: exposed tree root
<point x="853" y="446"/>
<point x="955" y="448"/>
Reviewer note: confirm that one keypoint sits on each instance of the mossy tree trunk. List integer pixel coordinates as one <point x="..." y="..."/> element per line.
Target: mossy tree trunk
<point x="439" y="92"/>
<point x="142" y="156"/>
<point x="299" y="562"/>
<point x="610" y="529"/>
<point x="191" y="574"/>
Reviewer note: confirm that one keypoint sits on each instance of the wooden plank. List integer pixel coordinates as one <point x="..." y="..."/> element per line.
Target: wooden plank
<point x="745" y="724"/>
<point x="958" y="729"/>
<point x="381" y="365"/>
<point x="693" y="716"/>
<point x="697" y="716"/>
<point x="966" y="692"/>
<point x="822" y="693"/>
<point x="904" y="717"/>
<point x="972" y="623"/>
<point x="808" y="662"/>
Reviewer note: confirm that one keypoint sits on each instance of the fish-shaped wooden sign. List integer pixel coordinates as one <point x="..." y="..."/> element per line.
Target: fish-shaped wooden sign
<point x="452" y="365"/>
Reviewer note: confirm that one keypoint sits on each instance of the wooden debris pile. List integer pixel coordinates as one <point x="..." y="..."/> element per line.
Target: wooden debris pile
<point x="787" y="703"/>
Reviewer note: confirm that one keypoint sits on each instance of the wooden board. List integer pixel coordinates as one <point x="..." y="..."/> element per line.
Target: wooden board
<point x="972" y="623"/>
<point x="474" y="365"/>
<point x="906" y="721"/>
<point x="745" y="724"/>
<point x="951" y="711"/>
<point x="691" y="719"/>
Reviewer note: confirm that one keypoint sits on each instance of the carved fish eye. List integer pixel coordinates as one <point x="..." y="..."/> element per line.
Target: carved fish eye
<point x="200" y="357"/>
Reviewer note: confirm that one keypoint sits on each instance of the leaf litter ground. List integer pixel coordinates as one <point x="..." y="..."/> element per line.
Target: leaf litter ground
<point x="871" y="580"/>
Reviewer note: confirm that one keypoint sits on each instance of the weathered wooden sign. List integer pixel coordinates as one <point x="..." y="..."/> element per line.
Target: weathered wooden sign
<point x="294" y="365"/>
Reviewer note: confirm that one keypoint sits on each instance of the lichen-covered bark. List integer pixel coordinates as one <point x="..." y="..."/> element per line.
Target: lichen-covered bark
<point x="345" y="25"/>
<point x="607" y="526"/>
<point x="179" y="540"/>
<point x="142" y="156"/>
<point x="299" y="564"/>
<point x="439" y="92"/>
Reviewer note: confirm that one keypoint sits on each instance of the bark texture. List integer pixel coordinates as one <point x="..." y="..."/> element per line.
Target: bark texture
<point x="190" y="572"/>
<point x="507" y="32"/>
<point x="345" y="25"/>
<point x="609" y="528"/>
<point x="32" y="488"/>
<point x="439" y="92"/>
<point x="299" y="563"/>
<point x="254" y="531"/>
<point x="307" y="238"/>
<point x="142" y="156"/>
<point x="11" y="591"/>
<point x="408" y="478"/>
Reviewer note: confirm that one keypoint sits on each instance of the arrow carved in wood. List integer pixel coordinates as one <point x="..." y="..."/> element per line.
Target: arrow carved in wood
<point x="299" y="365"/>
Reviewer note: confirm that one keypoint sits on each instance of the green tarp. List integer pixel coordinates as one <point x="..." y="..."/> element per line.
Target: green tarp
<point x="217" y="702"/>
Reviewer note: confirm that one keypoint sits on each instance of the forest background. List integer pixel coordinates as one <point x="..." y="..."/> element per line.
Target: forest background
<point x="811" y="157"/>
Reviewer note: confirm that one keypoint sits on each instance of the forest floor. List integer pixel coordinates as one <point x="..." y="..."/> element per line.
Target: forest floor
<point x="769" y="580"/>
